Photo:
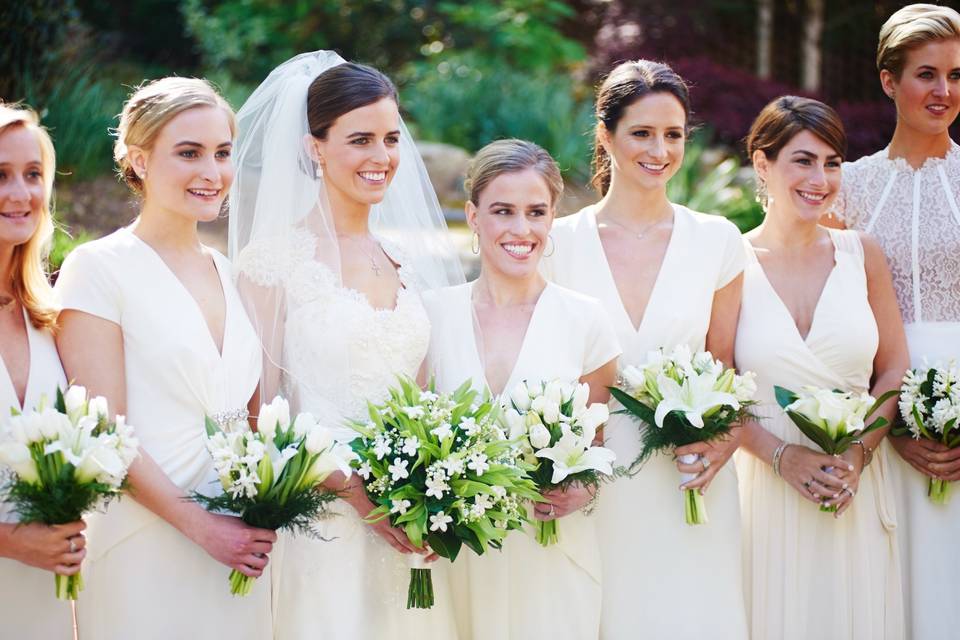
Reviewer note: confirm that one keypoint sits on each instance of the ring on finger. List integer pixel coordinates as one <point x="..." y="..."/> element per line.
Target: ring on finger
<point x="806" y="484"/>
<point x="73" y="545"/>
<point x="552" y="511"/>
<point x="850" y="491"/>
<point x="705" y="461"/>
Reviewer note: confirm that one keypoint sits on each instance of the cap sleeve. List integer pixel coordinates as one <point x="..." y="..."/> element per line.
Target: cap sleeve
<point x="87" y="282"/>
<point x="602" y="344"/>
<point x="734" y="259"/>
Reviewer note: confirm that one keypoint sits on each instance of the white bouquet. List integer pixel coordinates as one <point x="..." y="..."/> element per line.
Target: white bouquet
<point x="66" y="460"/>
<point x="930" y="408"/>
<point x="555" y="430"/>
<point x="682" y="398"/>
<point x="832" y="419"/>
<point x="441" y="468"/>
<point x="271" y="477"/>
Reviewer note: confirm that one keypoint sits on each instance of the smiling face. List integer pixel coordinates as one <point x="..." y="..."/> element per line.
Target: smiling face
<point x="803" y="180"/>
<point x="927" y="94"/>
<point x="646" y="148"/>
<point x="21" y="185"/>
<point x="188" y="169"/>
<point x="361" y="153"/>
<point x="513" y="219"/>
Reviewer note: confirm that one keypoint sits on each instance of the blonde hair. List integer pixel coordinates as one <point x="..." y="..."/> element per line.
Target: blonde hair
<point x="29" y="274"/>
<point x="509" y="156"/>
<point x="910" y="27"/>
<point x="154" y="104"/>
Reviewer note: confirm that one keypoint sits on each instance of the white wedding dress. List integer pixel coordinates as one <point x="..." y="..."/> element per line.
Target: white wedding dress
<point x="338" y="353"/>
<point x="527" y="591"/>
<point x="28" y="608"/>
<point x="915" y="216"/>
<point x="808" y="574"/>
<point x="662" y="578"/>
<point x="144" y="578"/>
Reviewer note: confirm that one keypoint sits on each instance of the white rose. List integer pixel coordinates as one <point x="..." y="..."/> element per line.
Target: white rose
<point x="539" y="436"/>
<point x="74" y="400"/>
<point x="520" y="396"/>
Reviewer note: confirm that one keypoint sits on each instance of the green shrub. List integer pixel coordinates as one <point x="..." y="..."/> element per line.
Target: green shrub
<point x="466" y="102"/>
<point x="63" y="244"/>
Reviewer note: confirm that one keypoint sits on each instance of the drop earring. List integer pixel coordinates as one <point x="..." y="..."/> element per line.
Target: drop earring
<point x="475" y="243"/>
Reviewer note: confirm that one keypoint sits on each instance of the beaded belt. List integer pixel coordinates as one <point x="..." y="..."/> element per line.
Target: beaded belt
<point x="224" y="419"/>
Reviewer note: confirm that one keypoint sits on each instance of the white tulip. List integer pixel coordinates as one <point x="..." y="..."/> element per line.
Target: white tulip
<point x="53" y="424"/>
<point x="75" y="400"/>
<point x="515" y="424"/>
<point x="97" y="408"/>
<point x="551" y="412"/>
<point x="16" y="455"/>
<point x="553" y="392"/>
<point x="520" y="397"/>
<point x="318" y="439"/>
<point x="539" y="436"/>
<point x="304" y="424"/>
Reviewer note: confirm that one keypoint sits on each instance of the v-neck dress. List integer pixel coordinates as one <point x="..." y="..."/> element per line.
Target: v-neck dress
<point x="28" y="608"/>
<point x="526" y="590"/>
<point x="808" y="574"/>
<point x="145" y="578"/>
<point x="661" y="577"/>
<point x="915" y="216"/>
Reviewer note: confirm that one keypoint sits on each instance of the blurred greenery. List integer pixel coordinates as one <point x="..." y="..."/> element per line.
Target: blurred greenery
<point x="63" y="243"/>
<point x="714" y="187"/>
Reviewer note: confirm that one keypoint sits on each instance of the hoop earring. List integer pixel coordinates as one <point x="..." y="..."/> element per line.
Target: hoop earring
<point x="475" y="243"/>
<point x="551" y="247"/>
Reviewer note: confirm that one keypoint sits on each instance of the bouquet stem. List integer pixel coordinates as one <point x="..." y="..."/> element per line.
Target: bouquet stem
<point x="939" y="491"/>
<point x="240" y="585"/>
<point x="68" y="587"/>
<point x="548" y="532"/>
<point x="420" y="591"/>
<point x="694" y="509"/>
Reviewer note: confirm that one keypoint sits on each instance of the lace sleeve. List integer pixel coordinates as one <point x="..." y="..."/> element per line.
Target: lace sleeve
<point x="408" y="270"/>
<point x="265" y="261"/>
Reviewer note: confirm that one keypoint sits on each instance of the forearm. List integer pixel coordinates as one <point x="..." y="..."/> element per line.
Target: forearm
<point x="152" y="488"/>
<point x="886" y="381"/>
<point x="6" y="540"/>
<point x="759" y="442"/>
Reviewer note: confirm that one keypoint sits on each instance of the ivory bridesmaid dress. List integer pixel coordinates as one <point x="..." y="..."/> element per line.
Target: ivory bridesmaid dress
<point x="146" y="579"/>
<point x="526" y="590"/>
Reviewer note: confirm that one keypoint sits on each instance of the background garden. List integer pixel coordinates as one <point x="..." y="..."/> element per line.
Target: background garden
<point x="468" y="72"/>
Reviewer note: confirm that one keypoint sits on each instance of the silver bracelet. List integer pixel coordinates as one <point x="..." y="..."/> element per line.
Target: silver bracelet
<point x="867" y="452"/>
<point x="588" y="508"/>
<point x="777" y="455"/>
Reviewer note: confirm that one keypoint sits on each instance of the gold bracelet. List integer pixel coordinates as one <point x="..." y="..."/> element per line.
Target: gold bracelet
<point x="867" y="452"/>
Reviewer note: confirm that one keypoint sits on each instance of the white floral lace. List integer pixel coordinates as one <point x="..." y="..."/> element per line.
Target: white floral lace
<point x="339" y="350"/>
<point x="914" y="215"/>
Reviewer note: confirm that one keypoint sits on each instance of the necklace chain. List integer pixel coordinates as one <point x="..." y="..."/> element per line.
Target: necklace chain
<point x="372" y="256"/>
<point x="638" y="234"/>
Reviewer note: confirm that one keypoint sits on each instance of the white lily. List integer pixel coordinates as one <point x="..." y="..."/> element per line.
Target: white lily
<point x="695" y="397"/>
<point x="573" y="454"/>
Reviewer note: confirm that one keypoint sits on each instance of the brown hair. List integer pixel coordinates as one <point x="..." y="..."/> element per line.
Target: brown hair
<point x="627" y="83"/>
<point x="509" y="156"/>
<point x="154" y="104"/>
<point x="340" y="90"/>
<point x="29" y="275"/>
<point x="910" y="27"/>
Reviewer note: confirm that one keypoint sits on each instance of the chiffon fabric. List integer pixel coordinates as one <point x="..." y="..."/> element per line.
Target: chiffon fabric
<point x="807" y="573"/>
<point x="661" y="577"/>
<point x="915" y="217"/>
<point x="338" y="353"/>
<point x="526" y="590"/>
<point x="28" y="608"/>
<point x="145" y="578"/>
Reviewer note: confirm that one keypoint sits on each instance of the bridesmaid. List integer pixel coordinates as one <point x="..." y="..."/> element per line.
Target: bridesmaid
<point x="29" y="369"/>
<point x="506" y="327"/>
<point x="818" y="309"/>
<point x="667" y="276"/>
<point x="906" y="196"/>
<point x="151" y="320"/>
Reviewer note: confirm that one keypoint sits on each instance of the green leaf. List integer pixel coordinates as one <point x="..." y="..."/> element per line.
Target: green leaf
<point x="445" y="545"/>
<point x="820" y="437"/>
<point x="784" y="397"/>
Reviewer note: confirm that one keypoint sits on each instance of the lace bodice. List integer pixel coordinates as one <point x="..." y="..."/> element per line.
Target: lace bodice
<point x="338" y="350"/>
<point x="914" y="215"/>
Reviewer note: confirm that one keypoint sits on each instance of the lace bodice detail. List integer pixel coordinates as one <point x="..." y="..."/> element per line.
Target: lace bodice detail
<point x="914" y="215"/>
<point x="338" y="350"/>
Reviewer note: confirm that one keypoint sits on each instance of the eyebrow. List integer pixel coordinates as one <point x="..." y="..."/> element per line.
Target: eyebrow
<point x="191" y="143"/>
<point x="371" y="134"/>
<point x="811" y="154"/>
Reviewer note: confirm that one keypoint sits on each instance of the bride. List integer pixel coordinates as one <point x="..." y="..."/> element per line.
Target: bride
<point x="336" y="231"/>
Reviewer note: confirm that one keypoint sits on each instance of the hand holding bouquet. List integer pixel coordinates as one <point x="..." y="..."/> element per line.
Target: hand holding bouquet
<point x="66" y="459"/>
<point x="930" y="408"/>
<point x="555" y="429"/>
<point x="440" y="467"/>
<point x="270" y="477"/>
<point x="682" y="398"/>
<point x="832" y="419"/>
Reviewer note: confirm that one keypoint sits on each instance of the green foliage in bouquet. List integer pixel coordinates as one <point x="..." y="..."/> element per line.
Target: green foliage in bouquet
<point x="831" y="443"/>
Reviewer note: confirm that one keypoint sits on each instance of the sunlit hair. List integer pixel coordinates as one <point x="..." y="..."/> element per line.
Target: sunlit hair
<point x="28" y="275"/>
<point x="911" y="27"/>
<point x="154" y="104"/>
<point x="511" y="156"/>
<point x="340" y="90"/>
<point x="627" y="83"/>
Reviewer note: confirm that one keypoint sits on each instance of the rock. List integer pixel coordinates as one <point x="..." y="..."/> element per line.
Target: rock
<point x="446" y="165"/>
